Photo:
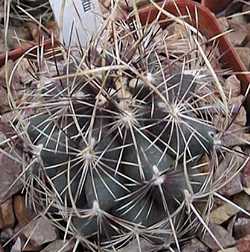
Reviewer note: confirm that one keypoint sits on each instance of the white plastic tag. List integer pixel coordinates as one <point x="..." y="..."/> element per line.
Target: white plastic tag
<point x="78" y="20"/>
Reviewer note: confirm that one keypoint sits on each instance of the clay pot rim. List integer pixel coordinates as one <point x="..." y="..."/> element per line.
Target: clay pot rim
<point x="29" y="47"/>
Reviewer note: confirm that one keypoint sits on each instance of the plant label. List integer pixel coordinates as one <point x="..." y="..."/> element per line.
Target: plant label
<point x="78" y="20"/>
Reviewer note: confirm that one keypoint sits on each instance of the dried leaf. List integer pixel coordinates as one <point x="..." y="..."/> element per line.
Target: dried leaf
<point x="10" y="170"/>
<point x="242" y="200"/>
<point x="223" y="213"/>
<point x="40" y="231"/>
<point x="222" y="235"/>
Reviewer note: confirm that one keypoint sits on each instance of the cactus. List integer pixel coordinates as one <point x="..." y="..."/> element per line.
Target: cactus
<point x="120" y="140"/>
<point x="25" y="9"/>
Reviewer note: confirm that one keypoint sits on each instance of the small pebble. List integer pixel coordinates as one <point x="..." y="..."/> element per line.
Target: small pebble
<point x="241" y="227"/>
<point x="22" y="213"/>
<point x="243" y="244"/>
<point x="244" y="53"/>
<point x="238" y="36"/>
<point x="7" y="214"/>
<point x="40" y="231"/>
<point x="232" y="86"/>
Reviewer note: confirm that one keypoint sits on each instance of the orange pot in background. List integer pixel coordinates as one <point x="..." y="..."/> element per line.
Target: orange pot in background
<point x="28" y="47"/>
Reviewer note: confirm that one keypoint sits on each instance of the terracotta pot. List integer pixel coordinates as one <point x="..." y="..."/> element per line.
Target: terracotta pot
<point x="28" y="47"/>
<point x="216" y="6"/>
<point x="208" y="26"/>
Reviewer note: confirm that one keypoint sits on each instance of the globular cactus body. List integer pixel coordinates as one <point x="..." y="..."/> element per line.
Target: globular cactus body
<point x="189" y="136"/>
<point x="104" y="188"/>
<point x="39" y="126"/>
<point x="142" y="157"/>
<point x="121" y="141"/>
